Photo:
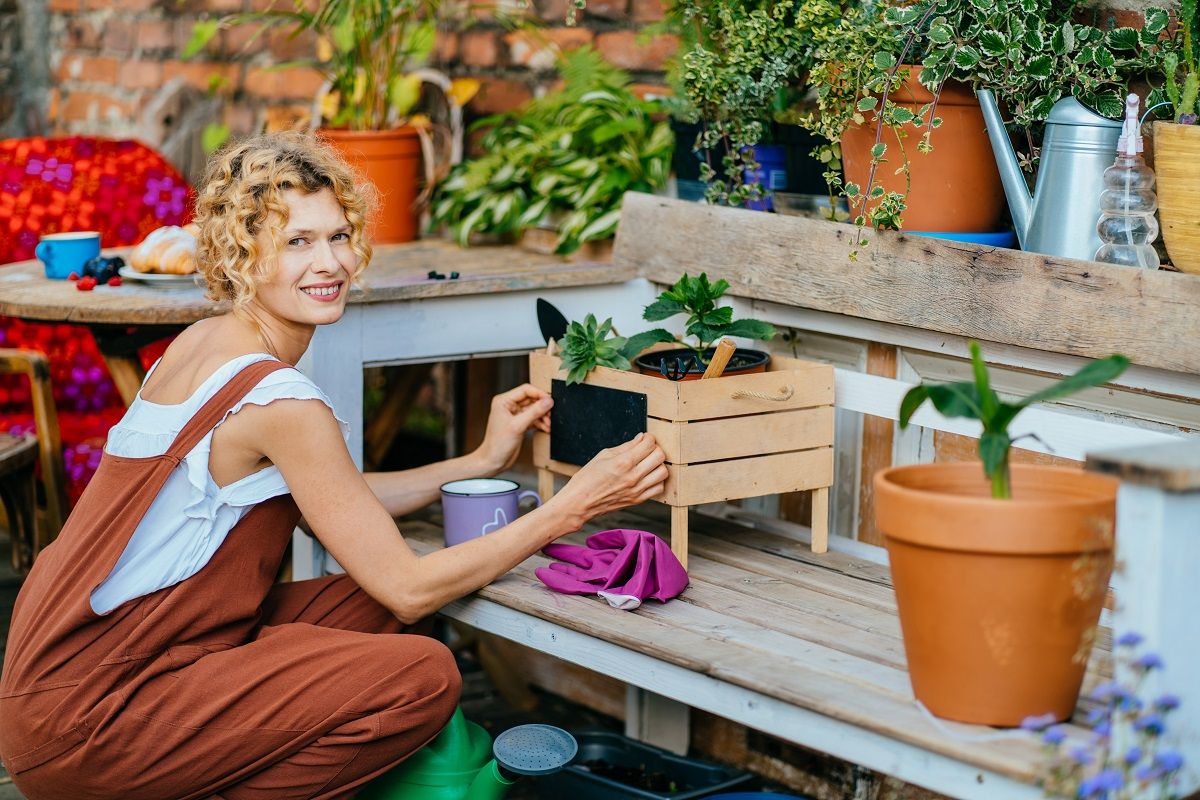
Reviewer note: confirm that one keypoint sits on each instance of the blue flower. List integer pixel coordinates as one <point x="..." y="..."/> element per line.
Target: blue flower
<point x="1038" y="723"/>
<point x="1081" y="756"/>
<point x="1133" y="755"/>
<point x="1168" y="761"/>
<point x="1055" y="736"/>
<point x="1103" y="730"/>
<point x="1148" y="662"/>
<point x="1150" y="723"/>
<point x="1168" y="702"/>
<point x="1130" y="639"/>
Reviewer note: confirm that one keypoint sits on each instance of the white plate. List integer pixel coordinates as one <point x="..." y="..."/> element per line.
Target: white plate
<point x="158" y="278"/>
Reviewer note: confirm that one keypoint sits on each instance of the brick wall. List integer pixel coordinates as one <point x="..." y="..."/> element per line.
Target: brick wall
<point x="10" y="43"/>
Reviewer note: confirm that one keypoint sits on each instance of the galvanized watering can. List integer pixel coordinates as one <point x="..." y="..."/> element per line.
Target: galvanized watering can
<point x="1060" y="218"/>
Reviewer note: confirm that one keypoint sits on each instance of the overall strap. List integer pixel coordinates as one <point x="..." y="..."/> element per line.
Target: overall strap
<point x="219" y="404"/>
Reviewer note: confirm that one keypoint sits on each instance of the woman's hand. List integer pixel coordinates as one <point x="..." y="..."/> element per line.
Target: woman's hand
<point x="616" y="478"/>
<point x="513" y="413"/>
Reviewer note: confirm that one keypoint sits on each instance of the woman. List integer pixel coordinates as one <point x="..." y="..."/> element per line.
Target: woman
<point x="150" y="656"/>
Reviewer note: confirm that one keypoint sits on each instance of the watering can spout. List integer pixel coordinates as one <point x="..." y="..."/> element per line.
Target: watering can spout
<point x="489" y="783"/>
<point x="1020" y="203"/>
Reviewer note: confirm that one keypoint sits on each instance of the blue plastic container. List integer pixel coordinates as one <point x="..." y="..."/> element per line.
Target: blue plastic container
<point x="771" y="174"/>
<point x="998" y="239"/>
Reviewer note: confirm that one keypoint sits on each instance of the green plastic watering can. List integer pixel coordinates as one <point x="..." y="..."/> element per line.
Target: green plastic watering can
<point x="463" y="763"/>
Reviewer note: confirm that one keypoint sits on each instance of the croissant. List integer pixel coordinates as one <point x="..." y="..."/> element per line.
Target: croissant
<point x="170" y="250"/>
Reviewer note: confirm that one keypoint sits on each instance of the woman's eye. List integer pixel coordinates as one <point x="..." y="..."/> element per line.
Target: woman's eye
<point x="299" y="241"/>
<point x="341" y="237"/>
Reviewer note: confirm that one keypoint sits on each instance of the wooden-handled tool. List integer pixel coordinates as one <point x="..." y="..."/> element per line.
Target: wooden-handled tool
<point x="720" y="359"/>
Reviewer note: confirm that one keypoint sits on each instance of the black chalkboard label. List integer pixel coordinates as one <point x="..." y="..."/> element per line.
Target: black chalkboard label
<point x="586" y="419"/>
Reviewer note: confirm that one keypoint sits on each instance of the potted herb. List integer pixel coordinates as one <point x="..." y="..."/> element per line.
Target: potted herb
<point x="588" y="345"/>
<point x="565" y="160"/>
<point x="369" y="52"/>
<point x="1000" y="572"/>
<point x="697" y="297"/>
<point x="1177" y="144"/>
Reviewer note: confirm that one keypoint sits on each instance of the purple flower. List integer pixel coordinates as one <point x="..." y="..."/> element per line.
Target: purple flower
<point x="1148" y="662"/>
<point x="1038" y="723"/>
<point x="1100" y="784"/>
<point x="1133" y="755"/>
<point x="1168" y="761"/>
<point x="1168" y="702"/>
<point x="1150" y="723"/>
<point x="1103" y="730"/>
<point x="1054" y="736"/>
<point x="1081" y="756"/>
<point x="1130" y="639"/>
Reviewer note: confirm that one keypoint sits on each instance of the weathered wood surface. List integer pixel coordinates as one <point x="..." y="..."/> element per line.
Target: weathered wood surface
<point x="1171" y="467"/>
<point x="1054" y="304"/>
<point x="820" y="632"/>
<point x="397" y="272"/>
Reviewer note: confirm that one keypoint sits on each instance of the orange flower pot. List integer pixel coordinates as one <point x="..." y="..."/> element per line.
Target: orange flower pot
<point x="391" y="160"/>
<point x="956" y="187"/>
<point x="998" y="599"/>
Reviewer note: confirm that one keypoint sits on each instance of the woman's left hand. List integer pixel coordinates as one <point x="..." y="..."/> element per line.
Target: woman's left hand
<point x="513" y="413"/>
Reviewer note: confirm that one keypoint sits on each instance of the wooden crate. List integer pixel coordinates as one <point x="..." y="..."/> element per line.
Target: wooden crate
<point x="725" y="438"/>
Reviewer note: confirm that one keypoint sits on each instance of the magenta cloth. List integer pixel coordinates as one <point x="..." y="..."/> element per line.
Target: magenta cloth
<point x="616" y="562"/>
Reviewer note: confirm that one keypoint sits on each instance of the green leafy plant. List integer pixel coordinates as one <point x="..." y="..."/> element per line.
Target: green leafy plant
<point x="587" y="345"/>
<point x="977" y="400"/>
<point x="565" y="159"/>
<point x="707" y="322"/>
<point x="367" y="50"/>
<point x="1182" y="67"/>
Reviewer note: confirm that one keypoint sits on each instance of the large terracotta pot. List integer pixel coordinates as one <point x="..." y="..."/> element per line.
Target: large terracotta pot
<point x="1176" y="156"/>
<point x="392" y="161"/>
<point x="956" y="187"/>
<point x="999" y="599"/>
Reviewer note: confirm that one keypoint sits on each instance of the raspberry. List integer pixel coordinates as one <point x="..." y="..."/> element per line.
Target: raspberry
<point x="114" y="281"/>
<point x="84" y="285"/>
<point x="74" y="276"/>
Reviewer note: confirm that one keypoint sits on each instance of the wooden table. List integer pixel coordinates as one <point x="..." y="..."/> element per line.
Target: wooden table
<point x="489" y="310"/>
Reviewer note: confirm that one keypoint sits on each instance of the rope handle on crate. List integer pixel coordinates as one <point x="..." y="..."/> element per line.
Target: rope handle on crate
<point x="785" y="393"/>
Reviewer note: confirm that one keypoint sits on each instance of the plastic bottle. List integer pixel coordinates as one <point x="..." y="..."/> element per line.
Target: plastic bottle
<point x="1127" y="226"/>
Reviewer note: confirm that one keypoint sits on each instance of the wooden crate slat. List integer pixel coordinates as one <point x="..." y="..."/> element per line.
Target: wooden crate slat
<point x="715" y="481"/>
<point x="738" y="437"/>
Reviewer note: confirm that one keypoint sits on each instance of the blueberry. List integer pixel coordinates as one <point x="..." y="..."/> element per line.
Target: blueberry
<point x="102" y="268"/>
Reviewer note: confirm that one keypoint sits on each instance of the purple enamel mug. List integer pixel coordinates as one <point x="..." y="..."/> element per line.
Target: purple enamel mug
<point x="478" y="506"/>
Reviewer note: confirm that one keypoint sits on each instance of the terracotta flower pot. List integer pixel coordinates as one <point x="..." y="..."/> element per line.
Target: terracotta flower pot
<point x="1176" y="154"/>
<point x="998" y="599"/>
<point x="956" y="187"/>
<point x="392" y="161"/>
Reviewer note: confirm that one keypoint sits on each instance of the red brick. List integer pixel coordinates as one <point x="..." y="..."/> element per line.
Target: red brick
<point x="94" y="106"/>
<point x="200" y="73"/>
<point x="285" y="47"/>
<point x="648" y="10"/>
<point x="82" y="34"/>
<point x="642" y="90"/>
<point x="283" y="84"/>
<point x="446" y="49"/>
<point x="263" y="5"/>
<point x="213" y="6"/>
<point x="241" y="40"/>
<point x="154" y="34"/>
<point x="499" y="94"/>
<point x="119" y="35"/>
<point x="626" y="50"/>
<point x="556" y="11"/>
<point x="63" y="6"/>
<point x="119" y="5"/>
<point x="88" y="69"/>
<point x="480" y="48"/>
<point x="141" y="74"/>
<point x="608" y="9"/>
<point x="538" y="49"/>
<point x="288" y="118"/>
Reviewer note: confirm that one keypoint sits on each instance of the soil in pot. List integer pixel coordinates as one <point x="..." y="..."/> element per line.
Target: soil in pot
<point x="683" y="361"/>
<point x="956" y="187"/>
<point x="998" y="599"/>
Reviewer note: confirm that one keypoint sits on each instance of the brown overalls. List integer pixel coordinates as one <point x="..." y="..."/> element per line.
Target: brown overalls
<point x="220" y="686"/>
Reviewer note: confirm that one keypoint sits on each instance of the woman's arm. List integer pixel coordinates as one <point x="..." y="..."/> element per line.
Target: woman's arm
<point x="512" y="413"/>
<point x="357" y="529"/>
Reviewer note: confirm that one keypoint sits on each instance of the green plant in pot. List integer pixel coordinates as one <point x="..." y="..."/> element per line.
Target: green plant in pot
<point x="707" y="322"/>
<point x="1177" y="143"/>
<point x="564" y="160"/>
<point x="1000" y="570"/>
<point x="587" y="345"/>
<point x="896" y="91"/>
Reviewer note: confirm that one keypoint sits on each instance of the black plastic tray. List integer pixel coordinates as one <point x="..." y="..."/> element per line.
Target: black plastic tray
<point x="691" y="778"/>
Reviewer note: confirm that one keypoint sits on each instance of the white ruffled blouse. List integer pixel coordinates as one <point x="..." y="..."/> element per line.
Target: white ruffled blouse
<point x="191" y="516"/>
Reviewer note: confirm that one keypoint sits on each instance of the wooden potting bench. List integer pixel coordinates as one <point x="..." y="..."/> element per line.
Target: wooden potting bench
<point x="806" y="646"/>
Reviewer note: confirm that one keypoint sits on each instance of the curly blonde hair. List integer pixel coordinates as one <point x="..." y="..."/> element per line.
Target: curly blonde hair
<point x="243" y="195"/>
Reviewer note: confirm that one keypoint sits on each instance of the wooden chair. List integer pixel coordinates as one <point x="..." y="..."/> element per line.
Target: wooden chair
<point x="17" y="456"/>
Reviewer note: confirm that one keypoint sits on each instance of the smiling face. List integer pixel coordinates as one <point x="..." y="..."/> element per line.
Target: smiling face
<point x="310" y="278"/>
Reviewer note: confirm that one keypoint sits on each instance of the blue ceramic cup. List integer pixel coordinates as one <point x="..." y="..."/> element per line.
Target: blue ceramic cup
<point x="64" y="253"/>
